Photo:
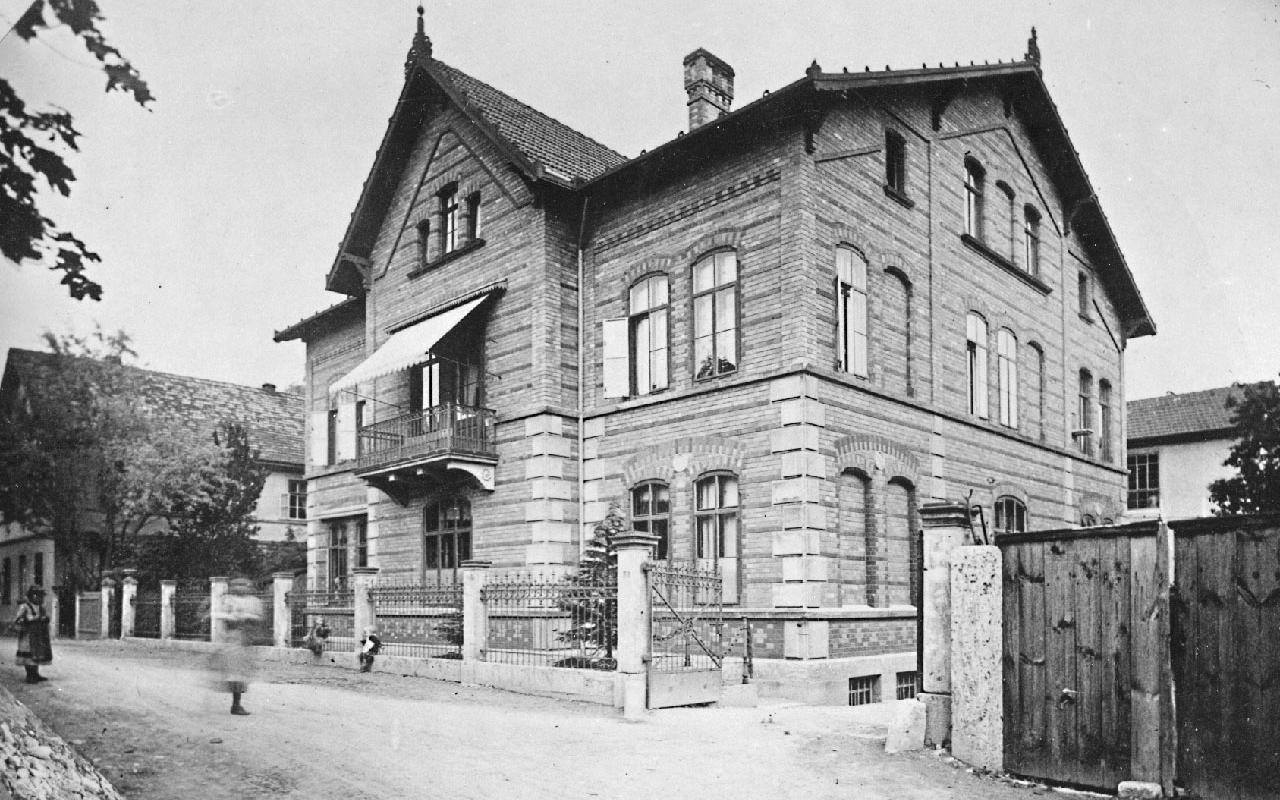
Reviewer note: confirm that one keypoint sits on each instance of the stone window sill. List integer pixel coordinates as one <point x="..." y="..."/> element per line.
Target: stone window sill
<point x="474" y="244"/>
<point x="898" y="197"/>
<point x="1004" y="263"/>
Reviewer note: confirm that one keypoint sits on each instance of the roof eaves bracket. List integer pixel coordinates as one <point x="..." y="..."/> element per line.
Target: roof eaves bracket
<point x="941" y="99"/>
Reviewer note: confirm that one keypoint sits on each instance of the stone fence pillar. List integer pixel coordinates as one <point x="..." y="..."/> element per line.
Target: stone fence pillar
<point x="168" y="618"/>
<point x="217" y="625"/>
<point x="475" y="617"/>
<point x="108" y="594"/>
<point x="282" y="617"/>
<point x="633" y="619"/>
<point x="55" y="612"/>
<point x="977" y="643"/>
<point x="945" y="524"/>
<point x="128" y="605"/>
<point x="366" y="616"/>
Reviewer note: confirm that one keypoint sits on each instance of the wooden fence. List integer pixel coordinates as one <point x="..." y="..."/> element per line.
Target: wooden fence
<point x="1145" y="652"/>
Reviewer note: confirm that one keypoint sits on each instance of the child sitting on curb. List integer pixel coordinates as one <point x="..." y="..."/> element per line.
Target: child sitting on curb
<point x="370" y="645"/>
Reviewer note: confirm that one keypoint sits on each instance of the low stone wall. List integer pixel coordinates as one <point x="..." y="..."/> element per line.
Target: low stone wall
<point x="36" y="764"/>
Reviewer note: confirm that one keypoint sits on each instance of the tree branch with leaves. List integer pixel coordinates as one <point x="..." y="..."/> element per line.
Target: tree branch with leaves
<point x="1255" y="488"/>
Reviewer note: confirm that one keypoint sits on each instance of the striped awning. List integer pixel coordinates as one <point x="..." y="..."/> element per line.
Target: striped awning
<point x="407" y="347"/>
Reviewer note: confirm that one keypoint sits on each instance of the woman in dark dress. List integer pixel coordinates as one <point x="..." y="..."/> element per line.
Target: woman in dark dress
<point x="32" y="625"/>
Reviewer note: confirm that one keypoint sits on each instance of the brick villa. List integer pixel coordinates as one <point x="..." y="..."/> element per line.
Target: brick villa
<point x="769" y="341"/>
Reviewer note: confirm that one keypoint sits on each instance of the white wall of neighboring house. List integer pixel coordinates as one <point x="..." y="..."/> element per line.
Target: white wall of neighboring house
<point x="19" y="548"/>
<point x="1186" y="470"/>
<point x="271" y="514"/>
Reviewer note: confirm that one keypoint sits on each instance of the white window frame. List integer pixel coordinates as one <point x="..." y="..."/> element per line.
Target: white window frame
<point x="851" y="310"/>
<point x="649" y="334"/>
<point x="1007" y="371"/>
<point x="974" y="177"/>
<point x="976" y="363"/>
<point x="716" y="284"/>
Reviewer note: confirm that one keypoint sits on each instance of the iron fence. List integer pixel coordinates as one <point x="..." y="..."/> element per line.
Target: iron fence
<point x="417" y="619"/>
<point x="561" y="622"/>
<point x="89" y="623"/>
<point x="146" y="615"/>
<point x="191" y="614"/>
<point x="336" y="609"/>
<point x="262" y="632"/>
<point x="686" y="612"/>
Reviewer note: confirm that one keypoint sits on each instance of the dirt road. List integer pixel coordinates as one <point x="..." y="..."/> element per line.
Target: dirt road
<point x="148" y="719"/>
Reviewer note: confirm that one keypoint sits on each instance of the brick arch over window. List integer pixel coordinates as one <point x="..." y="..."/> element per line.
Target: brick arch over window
<point x="652" y="265"/>
<point x="876" y="454"/>
<point x="726" y="238"/>
<point x="847" y="235"/>
<point x="692" y="455"/>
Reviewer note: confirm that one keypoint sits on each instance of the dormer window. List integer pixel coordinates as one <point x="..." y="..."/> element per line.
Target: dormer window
<point x="448" y="220"/>
<point x="974" y="176"/>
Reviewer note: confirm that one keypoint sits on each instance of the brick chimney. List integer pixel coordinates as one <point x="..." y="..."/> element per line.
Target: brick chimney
<point x="269" y="388"/>
<point x="709" y="83"/>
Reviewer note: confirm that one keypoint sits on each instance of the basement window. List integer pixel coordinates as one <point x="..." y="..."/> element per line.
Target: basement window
<point x="907" y="685"/>
<point x="864" y="690"/>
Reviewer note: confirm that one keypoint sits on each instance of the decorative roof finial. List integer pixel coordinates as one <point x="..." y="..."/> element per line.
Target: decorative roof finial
<point x="814" y="70"/>
<point x="1033" y="48"/>
<point x="421" y="48"/>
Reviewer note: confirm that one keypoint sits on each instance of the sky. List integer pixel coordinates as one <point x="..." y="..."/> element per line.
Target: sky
<point x="218" y="211"/>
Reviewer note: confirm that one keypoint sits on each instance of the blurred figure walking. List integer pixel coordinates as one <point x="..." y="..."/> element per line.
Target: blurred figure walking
<point x="32" y="625"/>
<point x="238" y="612"/>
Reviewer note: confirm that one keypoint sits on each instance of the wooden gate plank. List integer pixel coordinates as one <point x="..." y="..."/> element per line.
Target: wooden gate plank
<point x="1185" y="648"/>
<point x="1059" y="567"/>
<point x="1112" y="649"/>
<point x="1011" y="657"/>
<point x="1257" y="630"/>
<point x="1033" y="719"/>
<point x="1144" y="672"/>
<point x="1088" y="686"/>
<point x="1121" y="644"/>
<point x="1227" y="762"/>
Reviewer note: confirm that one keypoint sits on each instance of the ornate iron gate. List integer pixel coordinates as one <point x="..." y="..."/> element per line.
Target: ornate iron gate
<point x="686" y="639"/>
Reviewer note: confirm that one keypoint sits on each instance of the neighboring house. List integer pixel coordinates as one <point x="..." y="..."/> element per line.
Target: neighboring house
<point x="189" y="408"/>
<point x="1177" y="446"/>
<point x="769" y="340"/>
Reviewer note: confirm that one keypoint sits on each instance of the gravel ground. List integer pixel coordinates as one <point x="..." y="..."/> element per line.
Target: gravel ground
<point x="150" y="721"/>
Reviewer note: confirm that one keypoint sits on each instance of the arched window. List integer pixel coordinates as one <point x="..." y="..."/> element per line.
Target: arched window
<point x="1037" y="386"/>
<point x="1007" y="368"/>
<point x="715" y="314"/>
<point x="424" y="242"/>
<point x="855" y="540"/>
<point x="1084" y="432"/>
<point x="851" y="310"/>
<point x="651" y="513"/>
<point x="1031" y="240"/>
<point x="974" y="176"/>
<point x="448" y="198"/>
<point x="648" y="320"/>
<point x="1011" y="226"/>
<point x="976" y="333"/>
<point x="1104" y="420"/>
<point x="716" y="527"/>
<point x="900" y="557"/>
<point x="894" y="332"/>
<point x="1011" y="515"/>
<point x="446" y="538"/>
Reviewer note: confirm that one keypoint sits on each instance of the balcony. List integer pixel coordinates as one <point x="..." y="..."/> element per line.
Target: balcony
<point x="415" y="450"/>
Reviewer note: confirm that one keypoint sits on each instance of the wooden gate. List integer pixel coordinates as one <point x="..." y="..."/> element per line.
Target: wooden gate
<point x="1226" y="656"/>
<point x="686" y="635"/>
<point x="1085" y="663"/>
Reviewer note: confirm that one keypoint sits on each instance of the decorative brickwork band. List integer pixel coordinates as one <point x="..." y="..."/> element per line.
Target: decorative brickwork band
<point x="946" y="514"/>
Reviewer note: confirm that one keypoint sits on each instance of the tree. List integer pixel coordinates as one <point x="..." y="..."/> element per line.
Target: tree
<point x="593" y="602"/>
<point x="207" y="497"/>
<point x="1255" y="487"/>
<point x="32" y="144"/>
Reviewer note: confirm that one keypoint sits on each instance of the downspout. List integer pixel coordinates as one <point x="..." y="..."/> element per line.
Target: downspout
<point x="582" y="363"/>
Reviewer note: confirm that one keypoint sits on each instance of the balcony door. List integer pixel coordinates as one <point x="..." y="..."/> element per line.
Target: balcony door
<point x="444" y="391"/>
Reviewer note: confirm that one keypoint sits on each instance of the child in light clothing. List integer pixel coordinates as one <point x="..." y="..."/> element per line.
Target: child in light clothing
<point x="370" y="645"/>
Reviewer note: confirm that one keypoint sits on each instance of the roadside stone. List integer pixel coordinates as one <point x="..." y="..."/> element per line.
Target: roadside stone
<point x="1139" y="790"/>
<point x="38" y="765"/>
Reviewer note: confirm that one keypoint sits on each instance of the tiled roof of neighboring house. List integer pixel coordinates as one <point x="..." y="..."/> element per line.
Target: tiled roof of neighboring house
<point x="1189" y="415"/>
<point x="541" y="139"/>
<point x="193" y="406"/>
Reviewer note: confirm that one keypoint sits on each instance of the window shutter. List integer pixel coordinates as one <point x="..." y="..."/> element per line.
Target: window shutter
<point x="841" y="333"/>
<point x="319" y="444"/>
<point x="617" y="369"/>
<point x="346" y="430"/>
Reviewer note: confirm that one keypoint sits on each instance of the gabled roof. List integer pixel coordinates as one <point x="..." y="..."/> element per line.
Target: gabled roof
<point x="190" y="408"/>
<point x="303" y="328"/>
<point x="1190" y="416"/>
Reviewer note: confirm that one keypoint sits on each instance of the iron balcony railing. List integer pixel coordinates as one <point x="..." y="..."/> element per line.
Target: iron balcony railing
<point x="443" y="430"/>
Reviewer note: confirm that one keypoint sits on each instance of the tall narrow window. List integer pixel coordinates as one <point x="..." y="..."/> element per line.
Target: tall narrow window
<point x="649" y="314"/>
<point x="1104" y="419"/>
<point x="651" y="513"/>
<point x="362" y="543"/>
<point x="473" y="217"/>
<point x="360" y="423"/>
<point x="1084" y="424"/>
<point x="1031" y="240"/>
<point x="1144" y="480"/>
<point x="295" y="500"/>
<point x="851" y="310"/>
<point x="977" y="365"/>
<point x="424" y="243"/>
<point x="22" y="575"/>
<point x="716" y="536"/>
<point x="448" y="220"/>
<point x="895" y="162"/>
<point x="6" y="581"/>
<point x="37" y="569"/>
<point x="332" y="422"/>
<point x="1011" y="515"/>
<point x="1037" y="386"/>
<point x="338" y="543"/>
<point x="973" y="179"/>
<point x="446" y="538"/>
<point x="715" y="314"/>
<point x="1082" y="291"/>
<point x="1011" y="226"/>
<point x="1007" y="369"/>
